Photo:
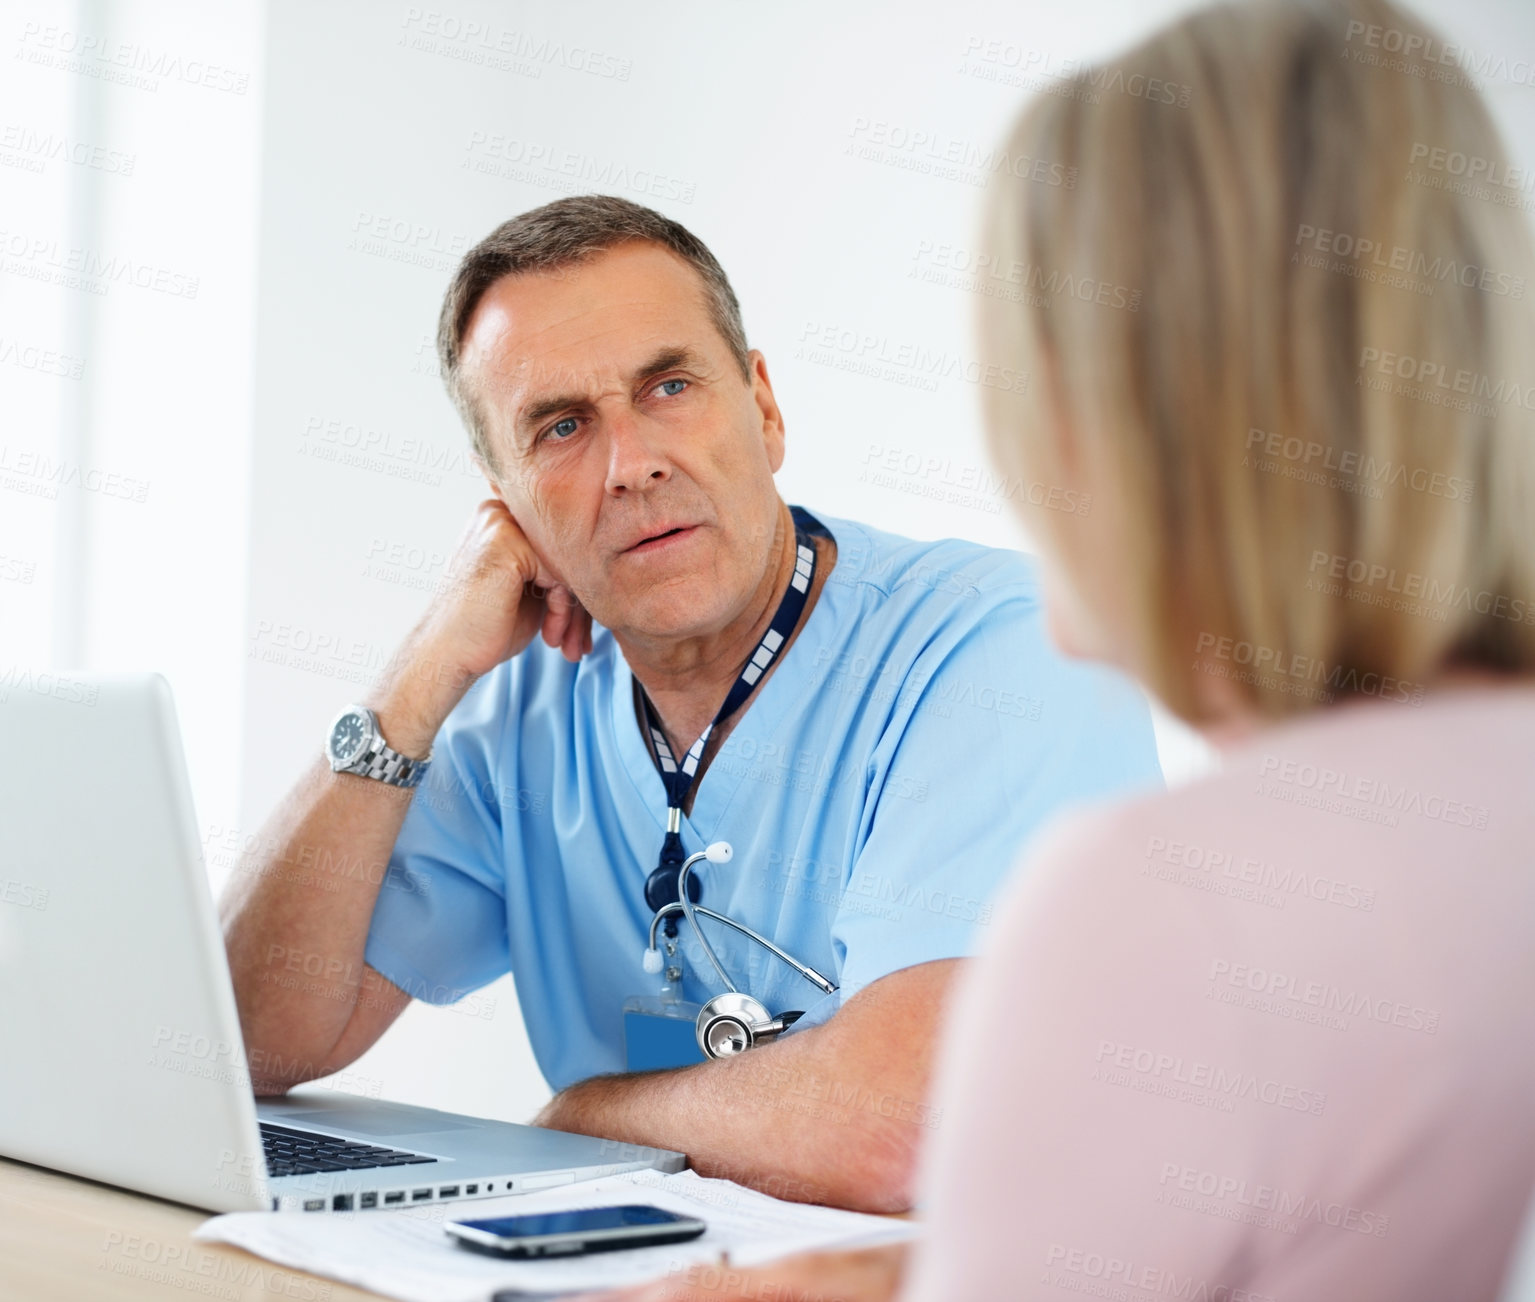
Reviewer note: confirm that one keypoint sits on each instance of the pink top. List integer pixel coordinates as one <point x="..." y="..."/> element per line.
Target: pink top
<point x="1268" y="1036"/>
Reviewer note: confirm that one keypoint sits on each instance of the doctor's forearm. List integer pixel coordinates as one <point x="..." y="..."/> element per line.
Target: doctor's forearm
<point x="772" y="1119"/>
<point x="835" y="1114"/>
<point x="295" y="915"/>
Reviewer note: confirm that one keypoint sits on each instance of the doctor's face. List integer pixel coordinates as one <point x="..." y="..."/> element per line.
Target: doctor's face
<point x="632" y="453"/>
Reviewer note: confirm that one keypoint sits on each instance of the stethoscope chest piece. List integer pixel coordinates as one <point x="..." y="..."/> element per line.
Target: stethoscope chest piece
<point x="734" y="1022"/>
<point x="731" y="1022"/>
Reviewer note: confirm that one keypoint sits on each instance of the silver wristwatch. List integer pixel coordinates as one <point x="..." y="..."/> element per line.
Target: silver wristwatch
<point x="355" y="745"/>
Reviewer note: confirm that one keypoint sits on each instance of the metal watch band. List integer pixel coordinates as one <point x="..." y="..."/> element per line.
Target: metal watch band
<point x="388" y="765"/>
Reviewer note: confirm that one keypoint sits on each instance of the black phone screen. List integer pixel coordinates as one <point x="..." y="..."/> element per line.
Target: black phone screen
<point x="576" y="1221"/>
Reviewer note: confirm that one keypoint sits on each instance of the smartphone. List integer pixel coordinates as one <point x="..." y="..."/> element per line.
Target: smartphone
<point x="583" y="1229"/>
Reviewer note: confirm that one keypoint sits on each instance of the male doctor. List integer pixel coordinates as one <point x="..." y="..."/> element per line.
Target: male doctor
<point x="875" y="725"/>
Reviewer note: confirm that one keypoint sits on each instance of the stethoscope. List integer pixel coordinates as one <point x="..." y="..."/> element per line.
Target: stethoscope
<point x="734" y="1021"/>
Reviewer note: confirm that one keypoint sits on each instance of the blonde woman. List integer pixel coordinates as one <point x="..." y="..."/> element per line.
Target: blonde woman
<point x="1271" y="1035"/>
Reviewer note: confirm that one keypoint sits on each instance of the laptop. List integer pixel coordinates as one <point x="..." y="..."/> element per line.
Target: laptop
<point x="122" y="1058"/>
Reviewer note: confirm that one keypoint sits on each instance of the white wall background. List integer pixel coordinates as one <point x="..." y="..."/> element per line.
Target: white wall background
<point x="322" y="209"/>
<point x="129" y="146"/>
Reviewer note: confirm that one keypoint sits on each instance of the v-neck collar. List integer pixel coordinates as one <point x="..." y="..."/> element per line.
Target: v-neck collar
<point x="765" y="715"/>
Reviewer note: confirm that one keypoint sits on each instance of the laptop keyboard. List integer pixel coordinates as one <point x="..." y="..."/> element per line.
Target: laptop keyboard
<point x="300" y="1152"/>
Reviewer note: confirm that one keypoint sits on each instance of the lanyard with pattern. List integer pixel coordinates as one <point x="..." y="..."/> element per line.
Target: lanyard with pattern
<point x="678" y="778"/>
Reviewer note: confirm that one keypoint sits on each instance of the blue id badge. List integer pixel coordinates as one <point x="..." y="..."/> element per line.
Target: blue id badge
<point x="660" y="1033"/>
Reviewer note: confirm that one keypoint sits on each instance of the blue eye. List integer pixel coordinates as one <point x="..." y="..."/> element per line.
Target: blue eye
<point x="672" y="393"/>
<point x="559" y="429"/>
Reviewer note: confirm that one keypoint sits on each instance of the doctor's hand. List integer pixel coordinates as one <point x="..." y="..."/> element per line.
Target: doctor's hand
<point x="499" y="596"/>
<point x="873" y="1275"/>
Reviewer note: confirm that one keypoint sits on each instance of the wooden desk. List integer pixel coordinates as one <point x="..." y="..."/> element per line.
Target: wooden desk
<point x="68" y="1240"/>
<point x="63" y="1239"/>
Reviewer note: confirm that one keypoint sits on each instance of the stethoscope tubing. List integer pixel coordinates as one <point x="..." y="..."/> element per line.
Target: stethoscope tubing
<point x="809" y="973"/>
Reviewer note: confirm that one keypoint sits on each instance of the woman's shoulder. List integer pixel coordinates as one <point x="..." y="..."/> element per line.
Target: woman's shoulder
<point x="1238" y="1023"/>
<point x="1372" y="810"/>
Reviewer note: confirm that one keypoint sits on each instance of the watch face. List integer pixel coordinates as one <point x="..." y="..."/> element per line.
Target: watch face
<point x="348" y="737"/>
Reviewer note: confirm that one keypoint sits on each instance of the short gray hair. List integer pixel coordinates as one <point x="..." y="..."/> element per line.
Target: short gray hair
<point x="556" y="235"/>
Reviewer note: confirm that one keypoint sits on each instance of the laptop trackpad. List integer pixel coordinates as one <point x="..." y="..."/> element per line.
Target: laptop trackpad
<point x="366" y="1122"/>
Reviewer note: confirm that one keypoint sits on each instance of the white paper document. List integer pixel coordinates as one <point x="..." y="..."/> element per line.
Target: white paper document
<point x="407" y="1254"/>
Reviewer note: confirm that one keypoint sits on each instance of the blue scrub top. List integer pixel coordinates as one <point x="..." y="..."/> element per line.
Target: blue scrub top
<point x="876" y="792"/>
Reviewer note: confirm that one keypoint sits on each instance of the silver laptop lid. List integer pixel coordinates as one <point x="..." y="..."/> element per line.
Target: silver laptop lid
<point x="122" y="1054"/>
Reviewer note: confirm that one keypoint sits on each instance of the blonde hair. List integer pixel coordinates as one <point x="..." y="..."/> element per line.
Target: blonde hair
<point x="1268" y="324"/>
